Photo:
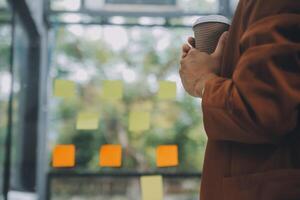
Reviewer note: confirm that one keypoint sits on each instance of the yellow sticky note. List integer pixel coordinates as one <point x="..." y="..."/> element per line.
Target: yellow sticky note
<point x="152" y="187"/>
<point x="143" y="105"/>
<point x="87" y="121"/>
<point x="63" y="156"/>
<point x="113" y="90"/>
<point x="167" y="90"/>
<point x="110" y="156"/>
<point x="139" y="121"/>
<point x="167" y="156"/>
<point x="64" y="88"/>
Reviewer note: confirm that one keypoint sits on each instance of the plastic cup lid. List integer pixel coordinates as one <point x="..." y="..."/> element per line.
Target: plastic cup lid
<point x="212" y="18"/>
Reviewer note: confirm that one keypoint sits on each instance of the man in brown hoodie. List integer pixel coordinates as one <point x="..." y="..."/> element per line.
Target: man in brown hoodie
<point x="250" y="90"/>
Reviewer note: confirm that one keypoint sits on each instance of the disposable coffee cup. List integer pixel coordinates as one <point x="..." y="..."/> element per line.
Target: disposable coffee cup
<point x="208" y="30"/>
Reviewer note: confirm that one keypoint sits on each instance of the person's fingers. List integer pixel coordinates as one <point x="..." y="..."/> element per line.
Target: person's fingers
<point x="221" y="44"/>
<point x="191" y="41"/>
<point x="186" y="48"/>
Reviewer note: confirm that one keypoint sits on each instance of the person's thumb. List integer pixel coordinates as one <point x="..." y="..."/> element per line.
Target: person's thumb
<point x="221" y="44"/>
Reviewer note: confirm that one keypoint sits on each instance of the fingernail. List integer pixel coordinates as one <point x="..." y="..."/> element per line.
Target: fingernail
<point x="189" y="45"/>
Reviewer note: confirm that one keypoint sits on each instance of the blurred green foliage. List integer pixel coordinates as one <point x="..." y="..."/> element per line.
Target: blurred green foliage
<point x="140" y="57"/>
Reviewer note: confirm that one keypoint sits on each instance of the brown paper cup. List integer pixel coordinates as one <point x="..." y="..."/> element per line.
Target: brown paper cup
<point x="208" y="30"/>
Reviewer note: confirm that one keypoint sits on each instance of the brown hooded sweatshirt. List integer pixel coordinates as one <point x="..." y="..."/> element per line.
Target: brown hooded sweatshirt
<point x="252" y="110"/>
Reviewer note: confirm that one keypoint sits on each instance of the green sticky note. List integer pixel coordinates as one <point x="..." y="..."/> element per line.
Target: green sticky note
<point x="167" y="90"/>
<point x="139" y="121"/>
<point x="112" y="90"/>
<point x="87" y="121"/>
<point x="152" y="187"/>
<point x="64" y="88"/>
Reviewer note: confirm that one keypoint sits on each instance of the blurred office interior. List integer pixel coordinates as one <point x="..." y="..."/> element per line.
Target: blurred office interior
<point x="89" y="42"/>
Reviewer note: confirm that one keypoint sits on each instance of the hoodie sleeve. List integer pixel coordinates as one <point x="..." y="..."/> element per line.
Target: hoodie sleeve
<point x="260" y="104"/>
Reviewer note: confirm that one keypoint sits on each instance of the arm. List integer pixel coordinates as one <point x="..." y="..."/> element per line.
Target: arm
<point x="260" y="104"/>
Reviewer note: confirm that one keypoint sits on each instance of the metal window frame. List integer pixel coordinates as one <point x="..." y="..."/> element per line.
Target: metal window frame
<point x="7" y="150"/>
<point x="103" y="15"/>
<point x="172" y="2"/>
<point x="67" y="174"/>
<point x="22" y="14"/>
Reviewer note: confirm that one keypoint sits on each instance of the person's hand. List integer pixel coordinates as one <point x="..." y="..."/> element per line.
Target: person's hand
<point x="188" y="46"/>
<point x="198" y="67"/>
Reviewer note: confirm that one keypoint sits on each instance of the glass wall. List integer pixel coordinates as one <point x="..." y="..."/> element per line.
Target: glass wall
<point x="140" y="58"/>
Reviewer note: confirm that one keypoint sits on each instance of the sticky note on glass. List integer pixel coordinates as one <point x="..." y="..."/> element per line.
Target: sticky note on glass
<point x="152" y="187"/>
<point x="139" y="121"/>
<point x="110" y="156"/>
<point x="64" y="88"/>
<point x="87" y="121"/>
<point x="167" y="90"/>
<point x="167" y="156"/>
<point x="63" y="156"/>
<point x="113" y="90"/>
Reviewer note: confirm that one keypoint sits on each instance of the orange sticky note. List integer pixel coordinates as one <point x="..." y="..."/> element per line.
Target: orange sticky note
<point x="110" y="156"/>
<point x="167" y="156"/>
<point x="63" y="156"/>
